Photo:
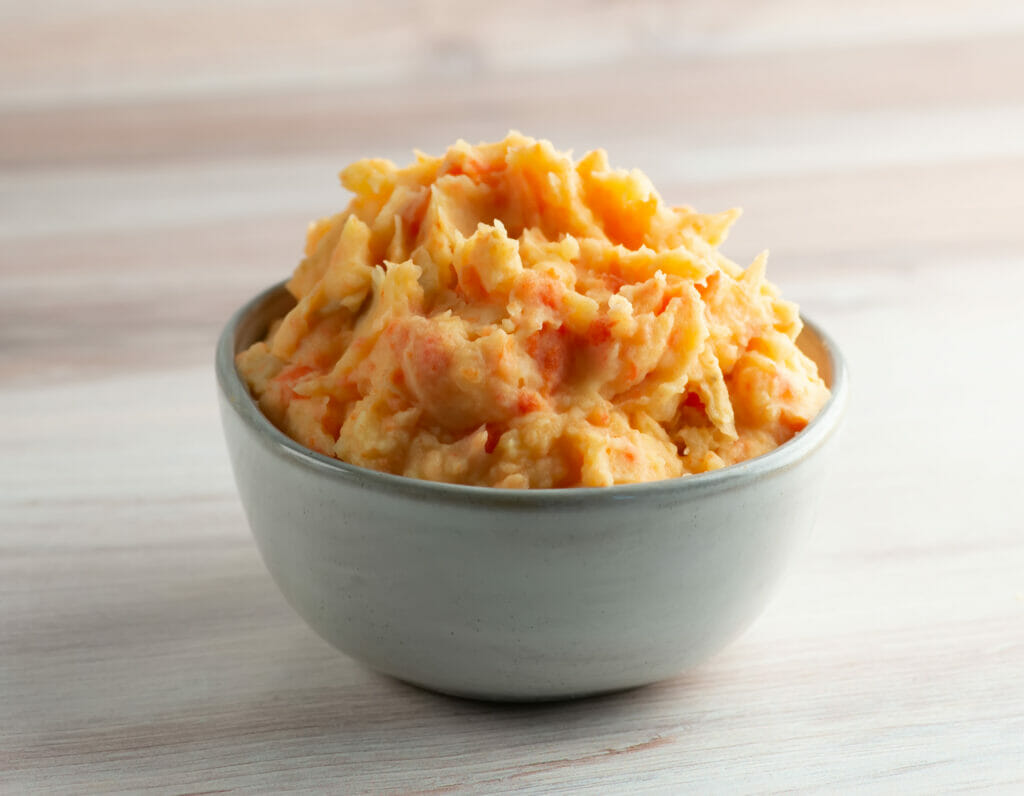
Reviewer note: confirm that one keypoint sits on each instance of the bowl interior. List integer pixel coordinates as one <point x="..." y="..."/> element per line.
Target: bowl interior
<point x="811" y="342"/>
<point x="254" y="320"/>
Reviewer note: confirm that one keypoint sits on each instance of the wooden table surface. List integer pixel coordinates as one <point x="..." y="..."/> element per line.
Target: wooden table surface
<point x="158" y="164"/>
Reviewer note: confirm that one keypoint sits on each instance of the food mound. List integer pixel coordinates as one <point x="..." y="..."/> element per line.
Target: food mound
<point x="502" y="316"/>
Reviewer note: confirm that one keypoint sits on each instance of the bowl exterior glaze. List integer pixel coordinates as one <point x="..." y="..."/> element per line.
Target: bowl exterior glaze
<point x="501" y="594"/>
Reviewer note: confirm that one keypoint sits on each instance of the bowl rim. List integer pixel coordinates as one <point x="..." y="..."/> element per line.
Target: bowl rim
<point x="236" y="394"/>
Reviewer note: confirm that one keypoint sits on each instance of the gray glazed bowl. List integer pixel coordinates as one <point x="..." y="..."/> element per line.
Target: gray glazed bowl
<point x="520" y="595"/>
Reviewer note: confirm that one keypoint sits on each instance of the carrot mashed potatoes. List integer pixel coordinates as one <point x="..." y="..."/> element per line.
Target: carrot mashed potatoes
<point x="504" y="316"/>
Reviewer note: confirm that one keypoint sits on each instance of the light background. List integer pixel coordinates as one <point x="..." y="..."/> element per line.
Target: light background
<point x="158" y="164"/>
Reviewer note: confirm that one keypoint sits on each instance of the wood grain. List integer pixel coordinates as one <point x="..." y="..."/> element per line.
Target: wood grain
<point x="157" y="167"/>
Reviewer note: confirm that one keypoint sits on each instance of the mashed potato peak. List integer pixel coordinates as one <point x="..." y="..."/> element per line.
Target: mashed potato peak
<point x="504" y="316"/>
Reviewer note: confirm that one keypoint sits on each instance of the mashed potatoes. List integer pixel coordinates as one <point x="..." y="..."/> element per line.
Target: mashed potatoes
<point x="503" y="316"/>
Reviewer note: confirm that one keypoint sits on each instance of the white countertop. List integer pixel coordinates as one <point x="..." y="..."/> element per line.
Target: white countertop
<point x="158" y="167"/>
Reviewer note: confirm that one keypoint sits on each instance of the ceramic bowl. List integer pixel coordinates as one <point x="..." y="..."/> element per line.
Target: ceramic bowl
<point x="520" y="595"/>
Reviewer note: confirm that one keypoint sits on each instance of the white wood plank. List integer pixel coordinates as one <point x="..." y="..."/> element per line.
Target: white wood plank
<point x="99" y="52"/>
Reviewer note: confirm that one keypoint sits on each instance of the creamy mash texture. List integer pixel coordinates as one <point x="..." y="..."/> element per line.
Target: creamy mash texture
<point x="504" y="316"/>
